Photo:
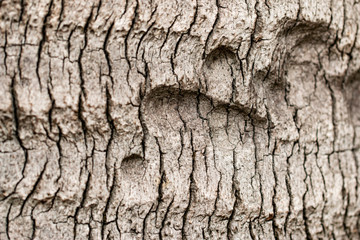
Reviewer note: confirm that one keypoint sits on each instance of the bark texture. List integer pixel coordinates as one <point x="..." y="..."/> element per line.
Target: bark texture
<point x="179" y="119"/>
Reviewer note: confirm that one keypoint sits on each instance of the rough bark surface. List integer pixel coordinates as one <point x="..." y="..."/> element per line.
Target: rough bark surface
<point x="185" y="119"/>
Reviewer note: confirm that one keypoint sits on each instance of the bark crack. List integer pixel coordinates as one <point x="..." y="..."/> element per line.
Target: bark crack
<point x="107" y="205"/>
<point x="192" y="189"/>
<point x="34" y="188"/>
<point x="25" y="150"/>
<point x="217" y="17"/>
<point x="106" y="52"/>
<point x="110" y="121"/>
<point x="128" y="34"/>
<point x="305" y="213"/>
<point x="144" y="221"/>
<point x="288" y="186"/>
<point x="42" y="41"/>
<point x="274" y="205"/>
<point x="81" y="205"/>
<point x="146" y="32"/>
<point x="165" y="218"/>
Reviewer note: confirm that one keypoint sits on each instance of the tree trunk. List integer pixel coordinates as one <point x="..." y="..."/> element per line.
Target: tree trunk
<point x="184" y="119"/>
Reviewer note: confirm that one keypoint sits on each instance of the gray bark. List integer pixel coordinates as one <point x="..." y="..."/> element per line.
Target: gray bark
<point x="184" y="119"/>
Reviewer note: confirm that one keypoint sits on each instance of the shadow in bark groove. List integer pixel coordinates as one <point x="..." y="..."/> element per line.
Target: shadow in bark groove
<point x="132" y="165"/>
<point x="352" y="91"/>
<point x="206" y="150"/>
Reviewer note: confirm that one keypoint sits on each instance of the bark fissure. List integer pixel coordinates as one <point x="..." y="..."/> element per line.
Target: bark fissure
<point x="112" y="134"/>
<point x="288" y="186"/>
<point x="274" y="224"/>
<point x="7" y="222"/>
<point x="146" y="32"/>
<point x="179" y="119"/>
<point x="217" y="16"/>
<point x="323" y="180"/>
<point x="81" y="205"/>
<point x="192" y="189"/>
<point x="304" y="212"/>
<point x="167" y="34"/>
<point x="108" y="203"/>
<point x="165" y="218"/>
<point x="126" y="39"/>
<point x="33" y="189"/>
<point x="17" y="135"/>
<point x="42" y="41"/>
<point x="106" y="52"/>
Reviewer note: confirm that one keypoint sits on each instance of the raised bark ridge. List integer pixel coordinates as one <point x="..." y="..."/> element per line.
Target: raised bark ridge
<point x="179" y="119"/>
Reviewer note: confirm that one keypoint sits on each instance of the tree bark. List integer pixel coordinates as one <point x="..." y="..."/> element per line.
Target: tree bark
<point x="184" y="119"/>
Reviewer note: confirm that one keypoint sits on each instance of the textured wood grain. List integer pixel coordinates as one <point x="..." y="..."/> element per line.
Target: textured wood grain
<point x="179" y="119"/>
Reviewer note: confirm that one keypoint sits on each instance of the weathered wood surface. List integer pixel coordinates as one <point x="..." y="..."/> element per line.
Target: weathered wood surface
<point x="179" y="119"/>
